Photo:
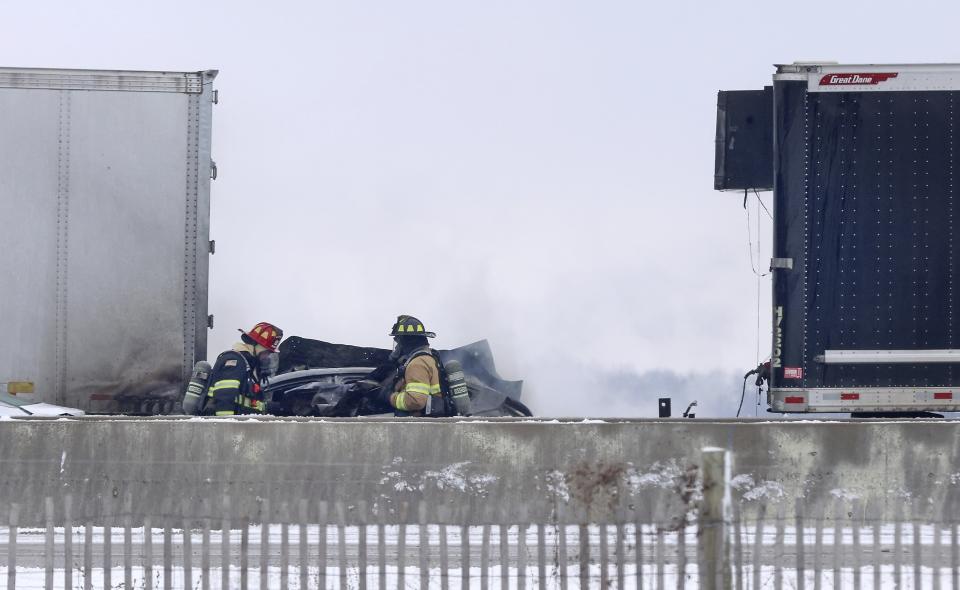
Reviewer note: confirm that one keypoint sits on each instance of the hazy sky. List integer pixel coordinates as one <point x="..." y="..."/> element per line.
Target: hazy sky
<point x="535" y="173"/>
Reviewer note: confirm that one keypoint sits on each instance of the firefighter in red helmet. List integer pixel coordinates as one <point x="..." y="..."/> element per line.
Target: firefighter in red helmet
<point x="237" y="376"/>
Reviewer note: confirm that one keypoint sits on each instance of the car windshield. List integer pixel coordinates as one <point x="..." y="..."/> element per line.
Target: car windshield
<point x="12" y="400"/>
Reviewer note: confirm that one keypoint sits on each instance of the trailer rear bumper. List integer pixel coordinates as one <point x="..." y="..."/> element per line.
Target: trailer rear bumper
<point x="865" y="399"/>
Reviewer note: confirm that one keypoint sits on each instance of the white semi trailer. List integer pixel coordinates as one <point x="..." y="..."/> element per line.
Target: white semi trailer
<point x="104" y="235"/>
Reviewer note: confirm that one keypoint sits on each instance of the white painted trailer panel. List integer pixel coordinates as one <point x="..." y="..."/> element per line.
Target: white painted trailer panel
<point x="104" y="202"/>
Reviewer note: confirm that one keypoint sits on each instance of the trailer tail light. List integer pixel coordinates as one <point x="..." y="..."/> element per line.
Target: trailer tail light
<point x="793" y="400"/>
<point x="943" y="395"/>
<point x="849" y="396"/>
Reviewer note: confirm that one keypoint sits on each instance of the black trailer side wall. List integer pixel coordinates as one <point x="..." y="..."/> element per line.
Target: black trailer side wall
<point x="864" y="198"/>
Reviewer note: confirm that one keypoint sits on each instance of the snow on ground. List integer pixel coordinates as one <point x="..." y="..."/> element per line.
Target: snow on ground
<point x="888" y="534"/>
<point x="779" y="547"/>
<point x="32" y="578"/>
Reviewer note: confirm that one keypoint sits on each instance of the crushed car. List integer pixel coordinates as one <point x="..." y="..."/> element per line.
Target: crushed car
<point x="317" y="378"/>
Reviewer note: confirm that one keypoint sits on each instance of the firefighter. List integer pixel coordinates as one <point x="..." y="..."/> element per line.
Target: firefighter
<point x="417" y="388"/>
<point x="236" y="377"/>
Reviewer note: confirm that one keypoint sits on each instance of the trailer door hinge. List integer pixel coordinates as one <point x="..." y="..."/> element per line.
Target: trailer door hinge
<point x="213" y="246"/>
<point x="210" y="321"/>
<point x="785" y="263"/>
<point x="216" y="97"/>
<point x="213" y="170"/>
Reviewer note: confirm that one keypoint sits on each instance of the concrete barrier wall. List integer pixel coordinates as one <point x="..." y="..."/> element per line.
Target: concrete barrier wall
<point x="465" y="472"/>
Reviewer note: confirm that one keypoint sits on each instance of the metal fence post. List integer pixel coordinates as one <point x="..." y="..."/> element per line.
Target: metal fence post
<point x="713" y="546"/>
<point x="13" y="523"/>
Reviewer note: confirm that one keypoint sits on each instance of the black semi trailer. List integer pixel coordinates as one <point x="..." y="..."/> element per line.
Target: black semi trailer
<point x="864" y="171"/>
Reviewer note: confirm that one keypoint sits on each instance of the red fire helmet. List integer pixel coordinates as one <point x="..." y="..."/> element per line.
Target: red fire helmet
<point x="266" y="335"/>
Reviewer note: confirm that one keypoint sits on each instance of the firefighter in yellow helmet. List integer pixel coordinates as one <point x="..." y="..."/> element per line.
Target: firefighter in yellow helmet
<point x="417" y="389"/>
<point x="237" y="376"/>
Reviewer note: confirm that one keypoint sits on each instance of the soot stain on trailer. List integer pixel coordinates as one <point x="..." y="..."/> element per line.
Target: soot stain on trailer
<point x="153" y="392"/>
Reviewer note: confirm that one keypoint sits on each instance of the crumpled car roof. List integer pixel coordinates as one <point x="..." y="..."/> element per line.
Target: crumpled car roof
<point x="297" y="353"/>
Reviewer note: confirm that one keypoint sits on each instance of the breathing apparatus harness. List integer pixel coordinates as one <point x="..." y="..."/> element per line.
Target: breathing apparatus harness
<point x="454" y="398"/>
<point x="195" y="397"/>
<point x="446" y="406"/>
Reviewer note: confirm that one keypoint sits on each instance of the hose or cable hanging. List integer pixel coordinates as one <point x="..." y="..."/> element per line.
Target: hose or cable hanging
<point x="743" y="394"/>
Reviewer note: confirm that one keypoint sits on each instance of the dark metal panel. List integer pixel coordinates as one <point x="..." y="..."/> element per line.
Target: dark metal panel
<point x="789" y="225"/>
<point x="870" y="224"/>
<point x="744" y="141"/>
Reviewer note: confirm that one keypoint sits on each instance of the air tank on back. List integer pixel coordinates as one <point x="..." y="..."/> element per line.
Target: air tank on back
<point x="458" y="387"/>
<point x="196" y="389"/>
